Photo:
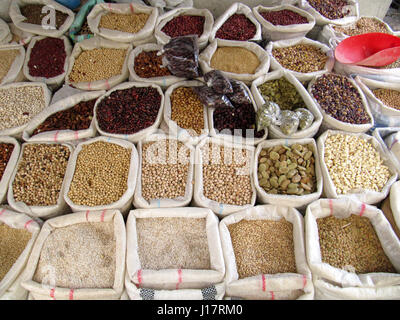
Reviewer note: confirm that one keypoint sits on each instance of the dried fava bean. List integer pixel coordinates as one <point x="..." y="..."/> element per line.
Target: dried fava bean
<point x="6" y="150"/>
<point x="235" y="60"/>
<point x="357" y="165"/>
<point x="263" y="247"/>
<point x="237" y="27"/>
<point x="184" y="25"/>
<point x="340" y="98"/>
<point x="173" y="243"/>
<point x="129" y="111"/>
<point x="361" y="26"/>
<point x="302" y="58"/>
<point x="82" y="255"/>
<point x="78" y="117"/>
<point x="12" y="243"/>
<point x="35" y="13"/>
<point x="331" y="9"/>
<point x="389" y="97"/>
<point x="148" y="65"/>
<point x="352" y="244"/>
<point x="131" y="23"/>
<point x="101" y="174"/>
<point x="283" y="17"/>
<point x="40" y="174"/>
<point x="97" y="64"/>
<point x="7" y="58"/>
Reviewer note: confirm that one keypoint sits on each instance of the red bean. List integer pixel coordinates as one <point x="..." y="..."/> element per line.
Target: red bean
<point x="184" y="25"/>
<point x="283" y="17"/>
<point x="237" y="27"/>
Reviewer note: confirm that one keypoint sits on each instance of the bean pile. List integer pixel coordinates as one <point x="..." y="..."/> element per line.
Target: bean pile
<point x="129" y="111"/>
<point x="287" y="170"/>
<point x="331" y="9"/>
<point x="7" y="58"/>
<point x="81" y="256"/>
<point x="226" y="174"/>
<point x="187" y="110"/>
<point x="353" y="163"/>
<point x="173" y="243"/>
<point x="148" y="65"/>
<point x="283" y="17"/>
<point x="389" y="97"/>
<point x="184" y="25"/>
<point x="18" y="105"/>
<point x="237" y="27"/>
<point x="12" y="243"/>
<point x="35" y="13"/>
<point x="302" y="58"/>
<point x="131" y="23"/>
<point x="340" y="98"/>
<point x="363" y="25"/>
<point x="40" y="174"/>
<point x="352" y="244"/>
<point x="6" y="150"/>
<point x="165" y="169"/>
<point x="393" y="65"/>
<point x="98" y="64"/>
<point x="263" y="247"/>
<point x="101" y="174"/>
<point x="78" y="117"/>
<point x="47" y="58"/>
<point x="235" y="60"/>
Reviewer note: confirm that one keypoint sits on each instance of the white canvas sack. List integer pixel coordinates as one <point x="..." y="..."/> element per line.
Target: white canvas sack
<point x="388" y="139"/>
<point x="15" y="73"/>
<point x="12" y="162"/>
<point x="5" y="34"/>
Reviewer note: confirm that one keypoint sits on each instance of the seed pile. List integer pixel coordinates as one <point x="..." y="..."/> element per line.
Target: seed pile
<point x="187" y="110"/>
<point x="302" y="58"/>
<point x="352" y="244"/>
<point x="331" y="9"/>
<point x="287" y="170"/>
<point x="173" y="243"/>
<point x="393" y="65"/>
<point x="363" y="25"/>
<point x="263" y="247"/>
<point x="148" y="65"/>
<point x="12" y="243"/>
<point x="35" y="14"/>
<point x="353" y="163"/>
<point x="226" y="174"/>
<point x="339" y="98"/>
<point x="131" y="23"/>
<point x="237" y="27"/>
<point x="78" y="117"/>
<point x="235" y="60"/>
<point x="40" y="174"/>
<point x="283" y="17"/>
<point x="184" y="25"/>
<point x="389" y="97"/>
<point x="79" y="256"/>
<point x="6" y="150"/>
<point x="101" y="174"/>
<point x="7" y="58"/>
<point x="18" y="105"/>
<point x="165" y="169"/>
<point x="98" y="64"/>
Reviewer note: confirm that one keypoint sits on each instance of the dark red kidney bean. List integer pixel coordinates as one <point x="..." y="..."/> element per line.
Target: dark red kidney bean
<point x="6" y="150"/>
<point x="184" y="25"/>
<point x="237" y="27"/>
<point x="283" y="17"/>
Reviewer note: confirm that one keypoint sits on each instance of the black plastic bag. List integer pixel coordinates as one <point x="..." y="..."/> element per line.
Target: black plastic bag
<point x="211" y="99"/>
<point x="239" y="95"/>
<point x="216" y="80"/>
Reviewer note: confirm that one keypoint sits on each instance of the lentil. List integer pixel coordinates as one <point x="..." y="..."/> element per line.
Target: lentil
<point x="78" y="117"/>
<point x="7" y="58"/>
<point x="389" y="97"/>
<point x="187" y="110"/>
<point x="12" y="243"/>
<point x="101" y="174"/>
<point x="40" y="174"/>
<point x="352" y="243"/>
<point x="148" y="65"/>
<point x="331" y="9"/>
<point x="287" y="170"/>
<point x="129" y="111"/>
<point x="131" y="23"/>
<point x="357" y="165"/>
<point x="263" y="247"/>
<point x="339" y="98"/>
<point x="47" y="58"/>
<point x="18" y="105"/>
<point x="34" y="15"/>
<point x="283" y="17"/>
<point x="235" y="60"/>
<point x="226" y="176"/>
<point x="237" y="27"/>
<point x="302" y="58"/>
<point x="363" y="25"/>
<point x="6" y="150"/>
<point x="172" y="243"/>
<point x="184" y="25"/>
<point x="166" y="180"/>
<point x="81" y="256"/>
<point x="97" y="64"/>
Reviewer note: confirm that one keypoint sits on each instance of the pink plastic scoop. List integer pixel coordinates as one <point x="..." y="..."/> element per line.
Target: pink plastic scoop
<point x="369" y="49"/>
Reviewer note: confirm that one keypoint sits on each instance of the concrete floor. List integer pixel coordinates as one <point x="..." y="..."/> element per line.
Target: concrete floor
<point x="392" y="18"/>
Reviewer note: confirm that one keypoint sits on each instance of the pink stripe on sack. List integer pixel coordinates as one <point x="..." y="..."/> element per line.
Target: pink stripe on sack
<point x="304" y="281"/>
<point x="56" y="136"/>
<point x="107" y="85"/>
<point x="139" y="277"/>
<point x="331" y="206"/>
<point x="27" y="224"/>
<point x="109" y="6"/>
<point x="76" y="135"/>
<point x="87" y="215"/>
<point x="102" y="215"/>
<point x="264" y="283"/>
<point x="272" y="295"/>
<point x="23" y="42"/>
<point x="131" y="6"/>
<point x="362" y="210"/>
<point x="89" y="86"/>
<point x="71" y="294"/>
<point x="2" y="211"/>
<point x="52" y="291"/>
<point x="179" y="278"/>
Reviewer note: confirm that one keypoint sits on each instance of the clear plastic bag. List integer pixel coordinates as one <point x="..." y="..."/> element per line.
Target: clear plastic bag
<point x="218" y="82"/>
<point x="306" y="118"/>
<point x="239" y="95"/>
<point x="212" y="99"/>
<point x="267" y="115"/>
<point x="289" y="122"/>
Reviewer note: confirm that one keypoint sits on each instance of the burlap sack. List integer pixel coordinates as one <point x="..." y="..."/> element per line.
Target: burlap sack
<point x="12" y="162"/>
<point x="50" y="291"/>
<point x="281" y="286"/>
<point x="15" y="73"/>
